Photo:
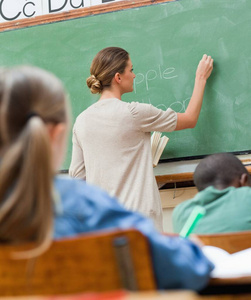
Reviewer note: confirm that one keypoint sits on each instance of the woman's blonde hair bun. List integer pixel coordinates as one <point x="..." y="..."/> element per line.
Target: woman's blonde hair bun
<point x="94" y="84"/>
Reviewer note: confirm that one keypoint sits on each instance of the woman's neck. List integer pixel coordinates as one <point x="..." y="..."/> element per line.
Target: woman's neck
<point x="110" y="93"/>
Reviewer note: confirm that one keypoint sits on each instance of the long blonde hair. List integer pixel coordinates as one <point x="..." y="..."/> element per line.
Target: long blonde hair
<point x="30" y="98"/>
<point x="105" y="65"/>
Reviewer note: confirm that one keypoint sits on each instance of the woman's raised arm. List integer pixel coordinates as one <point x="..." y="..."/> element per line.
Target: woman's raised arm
<point x="189" y="118"/>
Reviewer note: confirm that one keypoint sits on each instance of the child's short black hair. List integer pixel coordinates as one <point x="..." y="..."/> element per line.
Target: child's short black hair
<point x="219" y="170"/>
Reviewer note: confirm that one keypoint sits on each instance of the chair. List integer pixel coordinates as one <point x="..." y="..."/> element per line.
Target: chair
<point x="92" y="262"/>
<point x="231" y="241"/>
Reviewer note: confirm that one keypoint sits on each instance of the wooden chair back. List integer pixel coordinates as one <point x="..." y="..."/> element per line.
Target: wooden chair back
<point x="231" y="241"/>
<point x="91" y="262"/>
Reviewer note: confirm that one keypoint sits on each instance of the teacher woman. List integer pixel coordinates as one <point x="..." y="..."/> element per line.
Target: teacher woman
<point x="111" y="138"/>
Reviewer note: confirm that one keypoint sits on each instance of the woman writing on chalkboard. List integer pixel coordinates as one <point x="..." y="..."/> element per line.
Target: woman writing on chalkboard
<point x="111" y="139"/>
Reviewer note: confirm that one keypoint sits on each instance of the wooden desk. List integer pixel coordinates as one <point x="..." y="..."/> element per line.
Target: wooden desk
<point x="178" y="171"/>
<point x="181" y="171"/>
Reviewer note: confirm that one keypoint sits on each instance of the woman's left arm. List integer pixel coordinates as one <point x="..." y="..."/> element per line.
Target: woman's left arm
<point x="77" y="166"/>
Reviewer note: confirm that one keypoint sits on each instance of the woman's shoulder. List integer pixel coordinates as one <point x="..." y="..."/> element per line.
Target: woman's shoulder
<point x="84" y="112"/>
<point x="145" y="110"/>
<point x="137" y="108"/>
<point x="147" y="107"/>
<point x="138" y="105"/>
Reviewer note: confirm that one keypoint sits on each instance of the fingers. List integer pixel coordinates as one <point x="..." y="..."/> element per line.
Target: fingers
<point x="209" y="61"/>
<point x="207" y="58"/>
<point x="205" y="67"/>
<point x="212" y="62"/>
<point x="204" y="57"/>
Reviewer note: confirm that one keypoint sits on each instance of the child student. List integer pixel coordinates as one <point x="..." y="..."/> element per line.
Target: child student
<point x="224" y="190"/>
<point x="38" y="206"/>
<point x="111" y="139"/>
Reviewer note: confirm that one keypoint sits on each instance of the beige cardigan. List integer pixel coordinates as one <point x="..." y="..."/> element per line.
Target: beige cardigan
<point x="112" y="149"/>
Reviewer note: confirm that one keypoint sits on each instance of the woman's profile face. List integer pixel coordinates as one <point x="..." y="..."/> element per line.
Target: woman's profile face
<point x="127" y="78"/>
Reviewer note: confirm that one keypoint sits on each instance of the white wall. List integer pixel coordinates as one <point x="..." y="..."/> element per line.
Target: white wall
<point x="170" y="198"/>
<point x="11" y="10"/>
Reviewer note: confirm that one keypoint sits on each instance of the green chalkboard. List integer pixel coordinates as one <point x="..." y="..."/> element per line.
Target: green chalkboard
<point x="165" y="41"/>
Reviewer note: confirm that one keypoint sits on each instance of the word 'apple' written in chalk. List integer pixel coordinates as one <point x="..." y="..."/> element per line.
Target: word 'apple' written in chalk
<point x="153" y="74"/>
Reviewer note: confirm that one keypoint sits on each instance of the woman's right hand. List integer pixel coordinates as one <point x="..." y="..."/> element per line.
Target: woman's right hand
<point x="205" y="67"/>
<point x="189" y="118"/>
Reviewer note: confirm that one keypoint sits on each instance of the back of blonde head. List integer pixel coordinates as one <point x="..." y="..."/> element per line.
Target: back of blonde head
<point x="30" y="98"/>
<point x="105" y="65"/>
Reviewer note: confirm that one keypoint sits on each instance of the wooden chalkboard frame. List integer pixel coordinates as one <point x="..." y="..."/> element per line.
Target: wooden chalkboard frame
<point x="81" y="12"/>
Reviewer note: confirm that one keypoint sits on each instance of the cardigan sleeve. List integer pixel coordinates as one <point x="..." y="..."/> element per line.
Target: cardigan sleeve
<point x="149" y="118"/>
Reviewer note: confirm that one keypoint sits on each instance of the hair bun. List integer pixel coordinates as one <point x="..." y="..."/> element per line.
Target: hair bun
<point x="94" y="84"/>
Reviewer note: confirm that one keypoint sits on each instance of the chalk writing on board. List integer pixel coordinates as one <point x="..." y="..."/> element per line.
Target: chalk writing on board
<point x="178" y="106"/>
<point x="158" y="73"/>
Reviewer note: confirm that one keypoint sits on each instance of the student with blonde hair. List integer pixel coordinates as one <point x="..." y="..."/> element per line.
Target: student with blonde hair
<point x="36" y="205"/>
<point x="33" y="121"/>
<point x="111" y="139"/>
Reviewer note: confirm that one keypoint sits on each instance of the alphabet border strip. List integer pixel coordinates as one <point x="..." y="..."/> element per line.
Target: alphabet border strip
<point x="81" y="12"/>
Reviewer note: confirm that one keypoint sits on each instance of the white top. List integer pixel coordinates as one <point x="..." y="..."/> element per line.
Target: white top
<point x="112" y="149"/>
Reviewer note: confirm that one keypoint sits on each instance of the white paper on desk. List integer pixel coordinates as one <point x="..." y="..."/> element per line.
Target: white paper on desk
<point x="229" y="265"/>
